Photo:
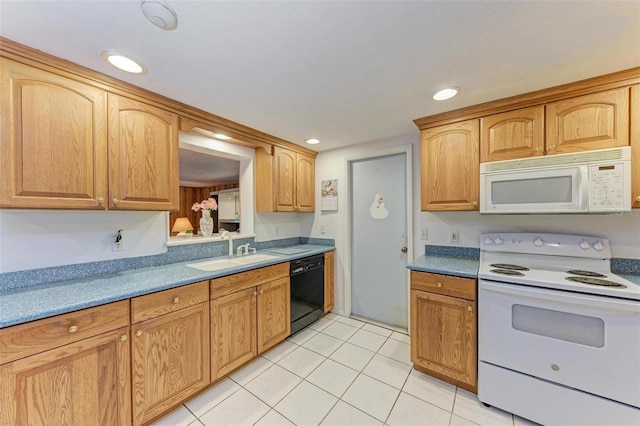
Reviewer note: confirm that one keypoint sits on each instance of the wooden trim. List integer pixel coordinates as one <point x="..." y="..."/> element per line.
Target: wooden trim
<point x="634" y="138"/>
<point x="35" y="58"/>
<point x="552" y="94"/>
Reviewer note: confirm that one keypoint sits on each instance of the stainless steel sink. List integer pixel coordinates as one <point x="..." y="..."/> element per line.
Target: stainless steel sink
<point x="219" y="264"/>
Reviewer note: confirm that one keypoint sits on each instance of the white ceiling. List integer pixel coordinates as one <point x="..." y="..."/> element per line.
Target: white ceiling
<point x="346" y="72"/>
<point x="198" y="170"/>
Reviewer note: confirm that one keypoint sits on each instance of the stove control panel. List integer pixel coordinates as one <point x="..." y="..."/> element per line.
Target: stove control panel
<point x="547" y="244"/>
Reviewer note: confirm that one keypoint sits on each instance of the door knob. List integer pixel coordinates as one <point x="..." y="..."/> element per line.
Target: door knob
<point x="404" y="249"/>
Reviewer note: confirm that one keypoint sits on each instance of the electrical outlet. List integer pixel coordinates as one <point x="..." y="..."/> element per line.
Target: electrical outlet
<point x="118" y="241"/>
<point x="424" y="234"/>
<point x="323" y="228"/>
<point x="277" y="230"/>
<point x="453" y="236"/>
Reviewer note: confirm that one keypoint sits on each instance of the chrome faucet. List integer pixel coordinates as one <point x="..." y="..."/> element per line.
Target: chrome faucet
<point x="224" y="235"/>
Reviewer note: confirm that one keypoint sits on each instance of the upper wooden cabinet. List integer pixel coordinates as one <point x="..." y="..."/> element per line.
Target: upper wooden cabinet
<point x="54" y="140"/>
<point x="143" y="156"/>
<point x="595" y="121"/>
<point x="285" y="181"/>
<point x="450" y="169"/>
<point x="513" y="134"/>
<point x="635" y="146"/>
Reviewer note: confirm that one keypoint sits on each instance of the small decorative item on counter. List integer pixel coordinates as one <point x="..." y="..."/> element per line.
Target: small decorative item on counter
<point x="206" y="222"/>
<point x="183" y="227"/>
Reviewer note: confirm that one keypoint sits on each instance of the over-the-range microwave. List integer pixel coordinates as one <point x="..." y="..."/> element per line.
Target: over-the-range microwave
<point x="596" y="181"/>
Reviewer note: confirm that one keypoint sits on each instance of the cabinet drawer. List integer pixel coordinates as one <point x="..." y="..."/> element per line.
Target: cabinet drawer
<point x="37" y="336"/>
<point x="444" y="284"/>
<point x="236" y="282"/>
<point x="156" y="304"/>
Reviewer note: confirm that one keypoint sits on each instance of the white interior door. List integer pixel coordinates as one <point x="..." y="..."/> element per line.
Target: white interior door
<point x="379" y="239"/>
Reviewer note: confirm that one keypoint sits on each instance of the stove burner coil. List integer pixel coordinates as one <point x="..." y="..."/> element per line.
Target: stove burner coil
<point x="595" y="281"/>
<point x="586" y="273"/>
<point x="507" y="272"/>
<point x="509" y="266"/>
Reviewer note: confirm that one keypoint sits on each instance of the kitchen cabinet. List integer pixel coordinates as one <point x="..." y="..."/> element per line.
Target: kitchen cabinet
<point x="285" y="181"/>
<point x="68" y="369"/>
<point x="450" y="170"/>
<point x="444" y="327"/>
<point x="328" y="281"/>
<point x="143" y="156"/>
<point x="170" y="348"/>
<point x="54" y="140"/>
<point x="635" y="146"/>
<point x="512" y="134"/>
<point x="595" y="121"/>
<point x="71" y="145"/>
<point x="250" y="313"/>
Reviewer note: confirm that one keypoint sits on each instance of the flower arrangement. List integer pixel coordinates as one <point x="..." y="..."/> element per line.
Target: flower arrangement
<point x="209" y="204"/>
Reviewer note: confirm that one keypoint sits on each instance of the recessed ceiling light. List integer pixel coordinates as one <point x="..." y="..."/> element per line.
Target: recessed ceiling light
<point x="221" y="136"/>
<point x="123" y="62"/>
<point x="446" y="93"/>
<point x="312" y="141"/>
<point x="160" y="14"/>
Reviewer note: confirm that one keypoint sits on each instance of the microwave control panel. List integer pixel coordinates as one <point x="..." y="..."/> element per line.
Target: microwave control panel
<point x="607" y="187"/>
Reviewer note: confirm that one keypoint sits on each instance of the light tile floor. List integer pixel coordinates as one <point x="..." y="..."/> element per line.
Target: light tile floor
<point x="341" y="372"/>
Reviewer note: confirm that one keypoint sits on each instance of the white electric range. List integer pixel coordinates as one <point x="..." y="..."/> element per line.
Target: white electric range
<point x="558" y="333"/>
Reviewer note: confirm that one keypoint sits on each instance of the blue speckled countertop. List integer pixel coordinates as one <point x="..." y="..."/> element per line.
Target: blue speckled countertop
<point x="446" y="265"/>
<point x="30" y="303"/>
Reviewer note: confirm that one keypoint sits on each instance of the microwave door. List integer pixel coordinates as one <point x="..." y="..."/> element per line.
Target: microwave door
<point x="559" y="190"/>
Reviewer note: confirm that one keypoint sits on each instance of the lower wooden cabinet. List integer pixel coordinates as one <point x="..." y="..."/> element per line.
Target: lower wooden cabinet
<point x="170" y="360"/>
<point x="82" y="383"/>
<point x="328" y="281"/>
<point x="233" y="331"/>
<point x="250" y="321"/>
<point x="444" y="328"/>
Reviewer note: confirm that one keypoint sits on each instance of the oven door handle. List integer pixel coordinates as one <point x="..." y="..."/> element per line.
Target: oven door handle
<point x="553" y="297"/>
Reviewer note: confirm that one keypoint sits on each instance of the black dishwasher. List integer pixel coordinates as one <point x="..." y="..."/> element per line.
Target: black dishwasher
<point x="307" y="291"/>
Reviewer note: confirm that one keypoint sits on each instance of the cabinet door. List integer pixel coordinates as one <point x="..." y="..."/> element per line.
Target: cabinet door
<point x="170" y="360"/>
<point x="54" y="141"/>
<point x="635" y="146"/>
<point x="274" y="313"/>
<point x="82" y="383"/>
<point x="513" y="134"/>
<point x="233" y="331"/>
<point x="596" y="121"/>
<point x="143" y="156"/>
<point x="443" y="336"/>
<point x="328" y="281"/>
<point x="284" y="180"/>
<point x="450" y="167"/>
<point x="305" y="182"/>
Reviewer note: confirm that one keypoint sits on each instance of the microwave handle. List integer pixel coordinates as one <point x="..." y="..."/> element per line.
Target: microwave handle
<point x="583" y="187"/>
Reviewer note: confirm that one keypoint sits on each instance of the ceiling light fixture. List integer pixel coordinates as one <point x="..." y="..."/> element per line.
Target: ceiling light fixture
<point x="124" y="63"/>
<point x="446" y="93"/>
<point x="221" y="136"/>
<point x="160" y="14"/>
<point x="312" y="141"/>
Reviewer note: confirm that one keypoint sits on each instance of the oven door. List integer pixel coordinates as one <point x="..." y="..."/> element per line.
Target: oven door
<point x="582" y="341"/>
<point x="548" y="190"/>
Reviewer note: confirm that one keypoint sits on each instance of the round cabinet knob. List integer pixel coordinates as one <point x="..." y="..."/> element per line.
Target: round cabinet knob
<point x="123" y="338"/>
<point x="73" y="329"/>
<point x="498" y="241"/>
<point x="255" y="293"/>
<point x="439" y="284"/>
<point x="404" y="249"/>
<point x="551" y="147"/>
<point x="469" y="308"/>
<point x="474" y="204"/>
<point x="100" y="200"/>
<point x="115" y="201"/>
<point x="538" y="148"/>
<point x="585" y="245"/>
<point x="638" y="198"/>
<point x="538" y="242"/>
<point x="598" y="246"/>
<point x="488" y="241"/>
<point x="261" y="291"/>
<point x="139" y="333"/>
<point x="176" y="299"/>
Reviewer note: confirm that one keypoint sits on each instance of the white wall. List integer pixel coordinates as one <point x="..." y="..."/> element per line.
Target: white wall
<point x="277" y="226"/>
<point x="622" y="230"/>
